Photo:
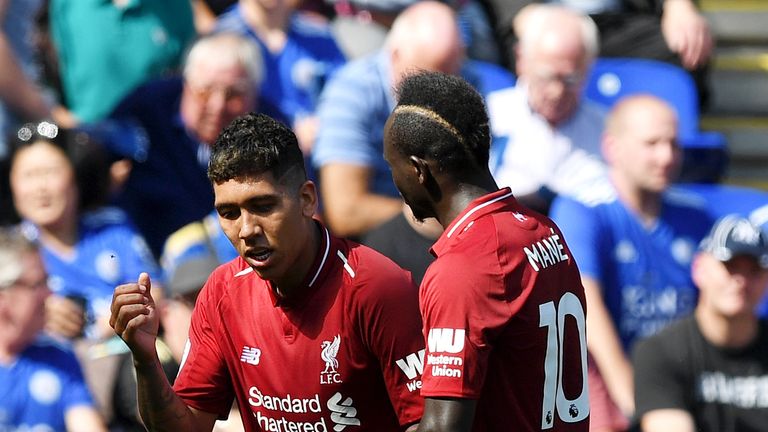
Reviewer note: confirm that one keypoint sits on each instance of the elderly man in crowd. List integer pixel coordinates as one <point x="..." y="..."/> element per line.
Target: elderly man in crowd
<point x="42" y="383"/>
<point x="168" y="187"/>
<point x="547" y="138"/>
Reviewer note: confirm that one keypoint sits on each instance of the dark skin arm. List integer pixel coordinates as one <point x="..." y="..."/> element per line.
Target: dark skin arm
<point x="135" y="319"/>
<point x="447" y="415"/>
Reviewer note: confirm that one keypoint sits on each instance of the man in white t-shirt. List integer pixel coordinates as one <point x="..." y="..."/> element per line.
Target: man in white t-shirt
<point x="546" y="137"/>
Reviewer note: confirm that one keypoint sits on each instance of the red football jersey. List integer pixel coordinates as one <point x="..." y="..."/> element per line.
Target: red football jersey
<point x="346" y="358"/>
<point x="504" y="318"/>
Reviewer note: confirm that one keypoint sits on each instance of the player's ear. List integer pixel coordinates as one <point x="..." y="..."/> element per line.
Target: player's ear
<point x="609" y="148"/>
<point x="421" y="168"/>
<point x="308" y="198"/>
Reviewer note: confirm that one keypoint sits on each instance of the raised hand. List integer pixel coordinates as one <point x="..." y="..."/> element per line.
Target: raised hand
<point x="64" y="317"/>
<point x="686" y="32"/>
<point x="135" y="318"/>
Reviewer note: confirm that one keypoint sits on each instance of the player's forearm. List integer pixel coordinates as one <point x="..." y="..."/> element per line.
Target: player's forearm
<point x="24" y="98"/>
<point x="350" y="207"/>
<point x="358" y="215"/>
<point x="613" y="364"/>
<point x="671" y="419"/>
<point x="160" y="408"/>
<point x="605" y="347"/>
<point x="617" y="374"/>
<point x="447" y="415"/>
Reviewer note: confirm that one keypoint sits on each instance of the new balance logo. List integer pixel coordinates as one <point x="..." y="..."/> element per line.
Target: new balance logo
<point x="250" y="355"/>
<point x="445" y="340"/>
<point x="342" y="413"/>
<point x="412" y="365"/>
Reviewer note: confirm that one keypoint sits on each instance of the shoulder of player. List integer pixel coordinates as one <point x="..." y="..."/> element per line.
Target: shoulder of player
<point x="512" y="225"/>
<point x="379" y="289"/>
<point x="498" y="239"/>
<point x="460" y="263"/>
<point x="223" y="276"/>
<point x="370" y="272"/>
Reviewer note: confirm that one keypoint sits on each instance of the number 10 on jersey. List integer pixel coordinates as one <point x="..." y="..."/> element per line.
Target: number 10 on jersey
<point x="554" y="401"/>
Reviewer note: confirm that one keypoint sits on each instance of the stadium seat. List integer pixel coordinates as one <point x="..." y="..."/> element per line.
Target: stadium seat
<point x="723" y="199"/>
<point x="705" y="152"/>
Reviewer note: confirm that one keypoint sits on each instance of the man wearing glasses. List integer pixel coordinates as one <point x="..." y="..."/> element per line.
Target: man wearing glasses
<point x="41" y="384"/>
<point x="180" y="119"/>
<point x="547" y="139"/>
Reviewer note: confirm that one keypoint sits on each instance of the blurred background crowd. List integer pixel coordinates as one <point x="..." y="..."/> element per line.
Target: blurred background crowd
<point x="634" y="124"/>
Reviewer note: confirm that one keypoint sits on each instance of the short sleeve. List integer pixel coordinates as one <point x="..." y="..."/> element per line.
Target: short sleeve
<point x="658" y="377"/>
<point x="392" y="330"/>
<point x="463" y="311"/>
<point x="203" y="381"/>
<point x="346" y="121"/>
<point x="581" y="230"/>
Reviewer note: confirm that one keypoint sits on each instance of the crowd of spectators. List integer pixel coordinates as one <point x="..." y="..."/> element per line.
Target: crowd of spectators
<point x="108" y="111"/>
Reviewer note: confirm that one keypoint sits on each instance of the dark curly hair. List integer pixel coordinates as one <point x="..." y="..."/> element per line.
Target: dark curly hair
<point x="254" y="144"/>
<point x="443" y="118"/>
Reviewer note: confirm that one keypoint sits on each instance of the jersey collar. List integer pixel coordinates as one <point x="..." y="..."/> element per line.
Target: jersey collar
<point x="319" y="270"/>
<point x="476" y="209"/>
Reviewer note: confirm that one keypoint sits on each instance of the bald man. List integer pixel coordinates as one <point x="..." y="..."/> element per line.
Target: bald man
<point x="355" y="182"/>
<point x="547" y="138"/>
<point x="634" y="239"/>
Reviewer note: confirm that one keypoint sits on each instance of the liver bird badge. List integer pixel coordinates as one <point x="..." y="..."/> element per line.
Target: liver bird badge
<point x="330" y="349"/>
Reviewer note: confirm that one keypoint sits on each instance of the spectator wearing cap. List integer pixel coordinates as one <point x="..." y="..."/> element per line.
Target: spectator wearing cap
<point x="709" y="372"/>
